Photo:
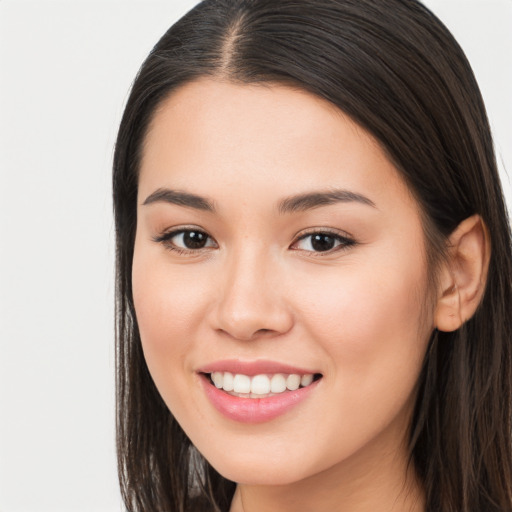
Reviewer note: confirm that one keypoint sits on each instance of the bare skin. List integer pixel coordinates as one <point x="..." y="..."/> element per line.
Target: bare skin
<point x="360" y="488"/>
<point x="354" y="308"/>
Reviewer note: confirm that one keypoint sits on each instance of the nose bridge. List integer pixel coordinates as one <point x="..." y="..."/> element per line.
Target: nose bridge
<point x="251" y="299"/>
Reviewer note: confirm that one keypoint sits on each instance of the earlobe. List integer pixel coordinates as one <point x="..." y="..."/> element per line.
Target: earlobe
<point x="464" y="274"/>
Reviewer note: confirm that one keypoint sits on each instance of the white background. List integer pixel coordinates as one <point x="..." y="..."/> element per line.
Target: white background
<point x="65" y="70"/>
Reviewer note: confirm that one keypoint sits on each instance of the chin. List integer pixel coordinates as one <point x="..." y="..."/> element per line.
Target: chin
<point x="260" y="474"/>
<point x="258" y="466"/>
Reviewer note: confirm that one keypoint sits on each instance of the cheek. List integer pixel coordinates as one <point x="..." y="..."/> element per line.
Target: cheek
<point x="372" y="325"/>
<point x="368" y="326"/>
<point x="168" y="303"/>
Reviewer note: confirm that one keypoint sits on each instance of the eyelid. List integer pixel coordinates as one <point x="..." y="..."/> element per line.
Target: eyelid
<point x="330" y="231"/>
<point x="345" y="238"/>
<point x="165" y="239"/>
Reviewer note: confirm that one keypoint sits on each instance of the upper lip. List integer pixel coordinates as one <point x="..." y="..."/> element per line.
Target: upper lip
<point x="252" y="368"/>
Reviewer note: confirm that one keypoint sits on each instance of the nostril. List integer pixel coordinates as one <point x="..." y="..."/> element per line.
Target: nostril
<point x="248" y="335"/>
<point x="263" y="331"/>
<point x="247" y="315"/>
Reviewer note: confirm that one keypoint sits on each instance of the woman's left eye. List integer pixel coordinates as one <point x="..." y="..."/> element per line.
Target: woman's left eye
<point x="322" y="242"/>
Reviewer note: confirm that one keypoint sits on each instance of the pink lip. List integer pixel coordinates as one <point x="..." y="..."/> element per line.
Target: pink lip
<point x="252" y="368"/>
<point x="254" y="410"/>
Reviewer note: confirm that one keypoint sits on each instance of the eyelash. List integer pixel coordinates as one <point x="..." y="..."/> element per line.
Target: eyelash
<point x="165" y="240"/>
<point x="344" y="242"/>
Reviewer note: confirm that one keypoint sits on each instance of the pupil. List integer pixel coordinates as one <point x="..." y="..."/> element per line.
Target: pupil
<point x="194" y="239"/>
<point x="322" y="242"/>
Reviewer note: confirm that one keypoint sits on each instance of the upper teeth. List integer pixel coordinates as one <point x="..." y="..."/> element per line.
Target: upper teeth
<point x="260" y="384"/>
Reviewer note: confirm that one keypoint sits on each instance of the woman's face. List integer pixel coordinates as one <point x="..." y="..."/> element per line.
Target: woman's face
<point x="275" y="239"/>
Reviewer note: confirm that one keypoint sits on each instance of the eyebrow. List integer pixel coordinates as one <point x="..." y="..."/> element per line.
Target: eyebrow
<point x="166" y="195"/>
<point x="303" y="202"/>
<point x="293" y="204"/>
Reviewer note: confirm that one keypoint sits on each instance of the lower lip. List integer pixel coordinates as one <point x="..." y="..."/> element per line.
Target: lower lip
<point x="254" y="410"/>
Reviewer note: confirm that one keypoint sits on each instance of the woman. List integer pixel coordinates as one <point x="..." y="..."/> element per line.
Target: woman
<point x="313" y="267"/>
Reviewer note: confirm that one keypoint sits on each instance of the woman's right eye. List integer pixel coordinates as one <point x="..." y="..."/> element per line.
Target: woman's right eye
<point x="186" y="240"/>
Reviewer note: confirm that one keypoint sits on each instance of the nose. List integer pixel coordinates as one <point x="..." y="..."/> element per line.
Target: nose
<point x="251" y="301"/>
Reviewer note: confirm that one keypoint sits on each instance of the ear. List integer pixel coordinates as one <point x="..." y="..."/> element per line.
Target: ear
<point x="463" y="275"/>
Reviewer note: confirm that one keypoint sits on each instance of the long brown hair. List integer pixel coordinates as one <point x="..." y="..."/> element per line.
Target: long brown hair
<point x="394" y="68"/>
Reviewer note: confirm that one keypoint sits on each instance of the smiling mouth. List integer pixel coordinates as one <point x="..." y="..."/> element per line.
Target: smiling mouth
<point x="260" y="386"/>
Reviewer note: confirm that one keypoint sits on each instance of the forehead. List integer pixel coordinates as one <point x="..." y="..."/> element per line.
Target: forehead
<point x="213" y="135"/>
